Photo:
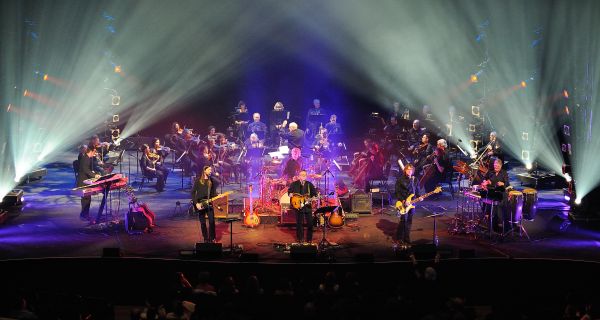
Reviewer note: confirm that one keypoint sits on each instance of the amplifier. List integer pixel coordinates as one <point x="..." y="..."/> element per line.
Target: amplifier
<point x="361" y="202"/>
<point x="208" y="250"/>
<point x="221" y="207"/>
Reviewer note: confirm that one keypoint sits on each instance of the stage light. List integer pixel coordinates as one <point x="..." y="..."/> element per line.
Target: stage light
<point x="8" y="107"/>
<point x="567" y="198"/>
<point x="115" y="100"/>
<point x="525" y="155"/>
<point x="523" y="84"/>
<point x="115" y="118"/>
<point x="115" y="134"/>
<point x="45" y="77"/>
<point x="474" y="78"/>
<point x="118" y="69"/>
<point x="528" y="166"/>
<point x="567" y="110"/>
<point x="568" y="177"/>
<point x="566" y="130"/>
<point x="577" y="201"/>
<point x="565" y="94"/>
<point x="475" y="111"/>
<point x="25" y="93"/>
<point x="525" y="136"/>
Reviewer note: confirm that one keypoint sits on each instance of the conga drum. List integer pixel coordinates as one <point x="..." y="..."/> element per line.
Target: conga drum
<point x="515" y="205"/>
<point x="530" y="200"/>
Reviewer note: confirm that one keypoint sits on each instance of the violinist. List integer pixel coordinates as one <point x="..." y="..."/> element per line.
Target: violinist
<point x="102" y="148"/>
<point x="494" y="185"/>
<point x="177" y="130"/>
<point x="223" y="150"/>
<point x="162" y="153"/>
<point x="421" y="154"/>
<point x="149" y="168"/>
<point x="212" y="135"/>
<point x="188" y="150"/>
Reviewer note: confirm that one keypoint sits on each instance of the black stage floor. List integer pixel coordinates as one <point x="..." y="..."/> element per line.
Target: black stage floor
<point x="48" y="225"/>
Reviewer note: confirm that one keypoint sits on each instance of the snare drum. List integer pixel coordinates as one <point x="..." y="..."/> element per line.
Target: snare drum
<point x="530" y="200"/>
<point x="515" y="205"/>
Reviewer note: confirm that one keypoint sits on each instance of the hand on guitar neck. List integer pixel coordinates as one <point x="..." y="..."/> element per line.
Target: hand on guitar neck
<point x="205" y="203"/>
<point x="403" y="206"/>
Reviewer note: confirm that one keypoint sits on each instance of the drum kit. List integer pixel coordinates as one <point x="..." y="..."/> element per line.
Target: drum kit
<point x="472" y="219"/>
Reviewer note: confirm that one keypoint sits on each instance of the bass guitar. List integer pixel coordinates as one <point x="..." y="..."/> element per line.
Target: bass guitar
<point x="251" y="219"/>
<point x="404" y="206"/>
<point x="204" y="203"/>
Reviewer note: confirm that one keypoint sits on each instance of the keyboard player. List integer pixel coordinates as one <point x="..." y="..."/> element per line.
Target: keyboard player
<point x="85" y="172"/>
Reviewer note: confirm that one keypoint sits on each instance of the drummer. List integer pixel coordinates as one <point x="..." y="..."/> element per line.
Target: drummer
<point x="494" y="184"/>
<point x="292" y="166"/>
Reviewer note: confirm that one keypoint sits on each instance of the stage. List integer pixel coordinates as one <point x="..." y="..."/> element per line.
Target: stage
<point x="48" y="225"/>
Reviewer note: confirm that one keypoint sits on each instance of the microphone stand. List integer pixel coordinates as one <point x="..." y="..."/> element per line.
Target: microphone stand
<point x="325" y="173"/>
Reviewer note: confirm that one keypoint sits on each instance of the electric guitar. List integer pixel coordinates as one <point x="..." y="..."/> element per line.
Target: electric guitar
<point x="203" y="204"/>
<point x="251" y="219"/>
<point x="404" y="206"/>
<point x="298" y="201"/>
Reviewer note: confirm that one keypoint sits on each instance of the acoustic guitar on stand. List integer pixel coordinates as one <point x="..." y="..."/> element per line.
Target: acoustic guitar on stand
<point x="404" y="206"/>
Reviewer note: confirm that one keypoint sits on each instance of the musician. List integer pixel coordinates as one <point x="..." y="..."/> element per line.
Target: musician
<point x="98" y="161"/>
<point x="295" y="136"/>
<point x="277" y="120"/>
<point x="494" y="185"/>
<point x="421" y="154"/>
<point x="333" y="127"/>
<point x="212" y="135"/>
<point x="321" y="143"/>
<point x="436" y="170"/>
<point x="223" y="150"/>
<point x="241" y="118"/>
<point x="405" y="186"/>
<point x="188" y="148"/>
<point x="368" y="167"/>
<point x="253" y="142"/>
<point x="177" y="130"/>
<point x="293" y="165"/>
<point x="307" y="189"/>
<point x="162" y="151"/>
<point x="313" y="118"/>
<point x="415" y="132"/>
<point x="257" y="127"/>
<point x="205" y="187"/>
<point x="148" y="164"/>
<point x="494" y="149"/>
<point x="85" y="172"/>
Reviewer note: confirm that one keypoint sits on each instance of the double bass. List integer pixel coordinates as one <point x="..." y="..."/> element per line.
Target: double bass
<point x="430" y="170"/>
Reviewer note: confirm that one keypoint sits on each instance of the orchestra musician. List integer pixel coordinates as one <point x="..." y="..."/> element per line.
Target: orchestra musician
<point x="241" y="118"/>
<point x="368" y="166"/>
<point x="223" y="150"/>
<point x="312" y="119"/>
<point x="177" y="130"/>
<point x="253" y="142"/>
<point x="188" y="149"/>
<point x="308" y="190"/>
<point x="148" y="164"/>
<point x="162" y="151"/>
<point x="494" y="185"/>
<point x="278" y="119"/>
<point x="295" y="136"/>
<point x="405" y="186"/>
<point x="205" y="187"/>
<point x="494" y="150"/>
<point x="98" y="161"/>
<point x="421" y="154"/>
<point x="415" y="132"/>
<point x="435" y="171"/>
<point x="333" y="127"/>
<point x="212" y="135"/>
<point x="292" y="166"/>
<point x="85" y="171"/>
<point x="257" y="127"/>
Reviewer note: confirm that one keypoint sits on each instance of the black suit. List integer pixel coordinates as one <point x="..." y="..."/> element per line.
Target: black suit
<point x="405" y="186"/>
<point x="159" y="172"/>
<point x="205" y="189"/>
<point x="295" y="138"/>
<point x="305" y="213"/>
<point x="498" y="194"/>
<point x="85" y="172"/>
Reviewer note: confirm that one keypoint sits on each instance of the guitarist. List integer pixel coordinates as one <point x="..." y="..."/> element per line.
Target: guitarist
<point x="405" y="186"/>
<point x="205" y="187"/>
<point x="306" y="188"/>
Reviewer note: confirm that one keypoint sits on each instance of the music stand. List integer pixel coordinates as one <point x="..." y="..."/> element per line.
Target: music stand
<point x="434" y="214"/>
<point x="231" y="246"/>
<point x="324" y="242"/>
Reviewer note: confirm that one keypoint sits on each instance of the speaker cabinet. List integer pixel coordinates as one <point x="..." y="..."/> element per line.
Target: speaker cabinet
<point x="221" y="207"/>
<point x="361" y="202"/>
<point x="208" y="250"/>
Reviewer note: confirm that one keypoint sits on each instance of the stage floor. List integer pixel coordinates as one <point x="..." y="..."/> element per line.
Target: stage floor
<point x="48" y="225"/>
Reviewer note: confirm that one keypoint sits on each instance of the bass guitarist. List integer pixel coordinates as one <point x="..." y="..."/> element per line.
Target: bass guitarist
<point x="205" y="187"/>
<point x="304" y="212"/>
<point x="405" y="186"/>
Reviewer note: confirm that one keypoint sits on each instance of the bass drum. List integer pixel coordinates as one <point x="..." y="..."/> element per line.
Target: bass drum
<point x="530" y="199"/>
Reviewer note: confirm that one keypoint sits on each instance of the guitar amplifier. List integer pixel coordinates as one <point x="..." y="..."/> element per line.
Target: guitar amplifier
<point x="221" y="207"/>
<point x="361" y="202"/>
<point x="288" y="217"/>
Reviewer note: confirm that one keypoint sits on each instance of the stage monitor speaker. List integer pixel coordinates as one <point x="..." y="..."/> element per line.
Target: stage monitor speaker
<point x="111" y="253"/>
<point x="303" y="252"/>
<point x="208" y="250"/>
<point x="135" y="222"/>
<point x="221" y="207"/>
<point x="361" y="202"/>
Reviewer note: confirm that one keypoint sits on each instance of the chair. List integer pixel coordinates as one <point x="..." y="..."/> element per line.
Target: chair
<point x="144" y="176"/>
